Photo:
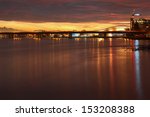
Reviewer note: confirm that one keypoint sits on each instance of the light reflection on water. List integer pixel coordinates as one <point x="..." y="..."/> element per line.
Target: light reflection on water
<point x="138" y="74"/>
<point x="136" y="55"/>
<point x="74" y="69"/>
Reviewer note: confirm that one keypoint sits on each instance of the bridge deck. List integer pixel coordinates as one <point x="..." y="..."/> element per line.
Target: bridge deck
<point x="79" y="34"/>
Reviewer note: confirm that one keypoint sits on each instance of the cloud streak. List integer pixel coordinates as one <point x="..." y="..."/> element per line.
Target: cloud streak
<point x="70" y="10"/>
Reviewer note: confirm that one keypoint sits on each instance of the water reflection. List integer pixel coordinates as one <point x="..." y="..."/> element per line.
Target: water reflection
<point x="73" y="69"/>
<point x="112" y="80"/>
<point x="136" y="63"/>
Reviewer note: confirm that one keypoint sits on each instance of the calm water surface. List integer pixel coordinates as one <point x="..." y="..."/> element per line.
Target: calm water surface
<point x="74" y="69"/>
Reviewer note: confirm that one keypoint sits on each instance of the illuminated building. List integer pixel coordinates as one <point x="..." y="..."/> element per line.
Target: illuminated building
<point x="138" y="23"/>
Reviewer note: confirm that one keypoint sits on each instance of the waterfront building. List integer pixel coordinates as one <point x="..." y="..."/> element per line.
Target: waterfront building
<point x="138" y="23"/>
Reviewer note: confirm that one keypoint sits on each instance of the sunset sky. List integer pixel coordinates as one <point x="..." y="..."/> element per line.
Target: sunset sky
<point x="68" y="14"/>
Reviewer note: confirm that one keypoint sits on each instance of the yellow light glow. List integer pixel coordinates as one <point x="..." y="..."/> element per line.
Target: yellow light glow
<point x="77" y="39"/>
<point x="36" y="39"/>
<point x="100" y="39"/>
<point x="16" y="39"/>
<point x="110" y="34"/>
<point x="55" y="26"/>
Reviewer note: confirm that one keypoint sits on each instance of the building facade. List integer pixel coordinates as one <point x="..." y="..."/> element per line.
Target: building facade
<point x="139" y="24"/>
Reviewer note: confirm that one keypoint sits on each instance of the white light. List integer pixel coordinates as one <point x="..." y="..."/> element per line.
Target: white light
<point x="136" y="14"/>
<point x="75" y="34"/>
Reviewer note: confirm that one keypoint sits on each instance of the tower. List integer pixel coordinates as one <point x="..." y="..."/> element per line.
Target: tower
<point x="134" y="21"/>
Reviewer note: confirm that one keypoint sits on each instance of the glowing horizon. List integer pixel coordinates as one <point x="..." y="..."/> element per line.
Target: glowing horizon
<point x="57" y="26"/>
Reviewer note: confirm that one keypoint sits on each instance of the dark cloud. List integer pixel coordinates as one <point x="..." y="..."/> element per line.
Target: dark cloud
<point x="70" y="10"/>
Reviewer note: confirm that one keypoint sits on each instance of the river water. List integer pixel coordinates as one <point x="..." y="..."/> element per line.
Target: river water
<point x="74" y="69"/>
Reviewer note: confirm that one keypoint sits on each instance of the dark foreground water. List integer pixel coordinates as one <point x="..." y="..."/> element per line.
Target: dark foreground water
<point x="74" y="69"/>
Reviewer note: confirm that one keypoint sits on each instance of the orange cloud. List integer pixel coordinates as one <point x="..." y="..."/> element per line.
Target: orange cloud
<point x="55" y="26"/>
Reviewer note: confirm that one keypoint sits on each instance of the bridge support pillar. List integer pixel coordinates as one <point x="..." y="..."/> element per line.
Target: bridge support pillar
<point x="70" y="35"/>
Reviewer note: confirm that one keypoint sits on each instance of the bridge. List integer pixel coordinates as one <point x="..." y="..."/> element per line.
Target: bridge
<point x="77" y="34"/>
